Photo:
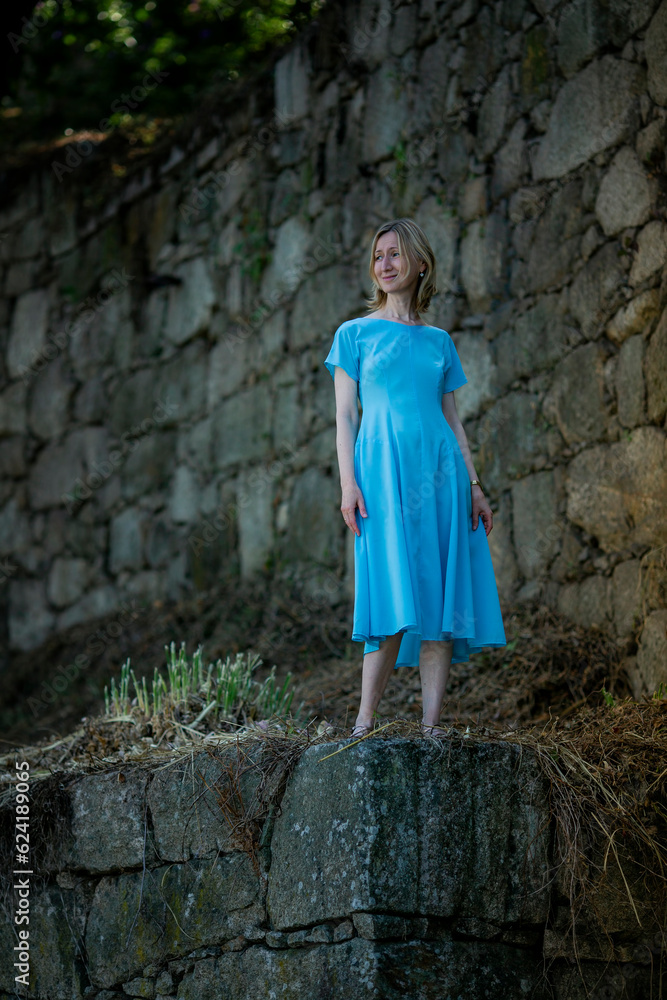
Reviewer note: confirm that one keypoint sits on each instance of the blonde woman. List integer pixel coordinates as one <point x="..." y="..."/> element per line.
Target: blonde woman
<point x="425" y="589"/>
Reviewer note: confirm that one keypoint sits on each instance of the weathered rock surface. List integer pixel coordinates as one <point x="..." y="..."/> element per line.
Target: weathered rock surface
<point x="392" y="868"/>
<point x="411" y="827"/>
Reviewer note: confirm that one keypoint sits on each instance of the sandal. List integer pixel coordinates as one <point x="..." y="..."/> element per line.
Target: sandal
<point x="361" y="731"/>
<point x="433" y="730"/>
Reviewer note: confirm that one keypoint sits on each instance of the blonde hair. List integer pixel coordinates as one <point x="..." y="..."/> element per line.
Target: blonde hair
<point x="412" y="243"/>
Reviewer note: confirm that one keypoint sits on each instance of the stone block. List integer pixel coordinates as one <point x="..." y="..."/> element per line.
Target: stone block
<point x="140" y="987"/>
<point x="511" y="164"/>
<point x="292" y="84"/>
<point x="158" y="542"/>
<point x="588" y="602"/>
<point x="96" y="603"/>
<point x="473" y="200"/>
<point x="582" y="32"/>
<point x="537" y="529"/>
<point x="626" y="194"/>
<point x="228" y="366"/>
<point x="50" y="396"/>
<point x="102" y="335"/>
<point x="149" y="464"/>
<point x="502" y="549"/>
<point x="187" y="819"/>
<point x="381" y="132"/>
<point x="164" y="982"/>
<point x="575" y="401"/>
<point x="379" y="926"/>
<point x="178" y="908"/>
<point x="194" y="446"/>
<point x="412" y="831"/>
<point x="443" y="233"/>
<point x="254" y="500"/>
<point x="57" y="960"/>
<point x="27" y="334"/>
<point x="126" y="539"/>
<point x="242" y="427"/>
<point x="615" y="491"/>
<point x="596" y="289"/>
<point x="484" y="261"/>
<point x="626" y="595"/>
<point x="13" y="409"/>
<point x="321" y="303"/>
<point x="284" y="273"/>
<point x="537" y="340"/>
<point x="389" y="970"/>
<point x="556" y="239"/>
<point x="593" y="111"/>
<point x="634" y="317"/>
<point x="68" y="469"/>
<point x="189" y="305"/>
<point x="651" y="252"/>
<point x="313" y="531"/>
<point x="12" y="458"/>
<point x="68" y="579"/>
<point x="493" y="115"/>
<point x="656" y="55"/>
<point x="15" y="533"/>
<point x="477" y="360"/>
<point x="30" y="619"/>
<point x="343" y="931"/>
<point x="181" y="386"/>
<point x="508" y="439"/>
<point x="184" y="501"/>
<point x="109" y="823"/>
<point x="630" y="391"/>
<point x="655" y="368"/>
<point x="652" y="652"/>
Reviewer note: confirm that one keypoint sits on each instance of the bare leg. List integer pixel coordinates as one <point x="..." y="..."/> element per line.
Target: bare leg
<point x="435" y="658"/>
<point x="376" y="671"/>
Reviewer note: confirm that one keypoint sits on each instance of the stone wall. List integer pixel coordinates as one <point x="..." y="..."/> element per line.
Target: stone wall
<point x="396" y="868"/>
<point x="166" y="412"/>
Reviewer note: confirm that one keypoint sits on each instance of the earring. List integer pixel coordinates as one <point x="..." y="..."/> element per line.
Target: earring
<point x="421" y="274"/>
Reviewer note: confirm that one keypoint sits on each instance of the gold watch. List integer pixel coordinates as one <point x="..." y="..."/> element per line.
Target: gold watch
<point x="476" y="482"/>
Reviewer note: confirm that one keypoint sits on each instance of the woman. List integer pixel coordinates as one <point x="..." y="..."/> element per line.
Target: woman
<point x="425" y="590"/>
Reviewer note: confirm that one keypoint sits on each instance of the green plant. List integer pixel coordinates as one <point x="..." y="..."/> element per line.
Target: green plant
<point x="609" y="698"/>
<point x="226" y="689"/>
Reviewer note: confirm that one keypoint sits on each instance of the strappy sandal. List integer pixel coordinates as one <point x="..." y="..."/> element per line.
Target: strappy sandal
<point x="433" y="730"/>
<point x="360" y="731"/>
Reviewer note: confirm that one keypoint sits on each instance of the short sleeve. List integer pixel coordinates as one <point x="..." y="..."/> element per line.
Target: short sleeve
<point x="344" y="351"/>
<point x="454" y="374"/>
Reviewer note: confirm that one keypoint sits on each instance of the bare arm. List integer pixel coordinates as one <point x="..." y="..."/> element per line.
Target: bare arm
<point x="480" y="505"/>
<point x="347" y="426"/>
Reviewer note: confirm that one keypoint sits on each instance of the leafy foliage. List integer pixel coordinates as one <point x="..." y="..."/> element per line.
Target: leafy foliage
<point x="73" y="64"/>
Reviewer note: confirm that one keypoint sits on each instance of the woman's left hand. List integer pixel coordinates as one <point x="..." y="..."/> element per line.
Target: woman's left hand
<point x="481" y="509"/>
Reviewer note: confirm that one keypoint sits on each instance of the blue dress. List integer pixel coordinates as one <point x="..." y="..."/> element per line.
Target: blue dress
<point x="419" y="568"/>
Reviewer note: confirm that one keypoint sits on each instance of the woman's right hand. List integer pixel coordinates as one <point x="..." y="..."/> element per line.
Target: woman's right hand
<point x="353" y="498"/>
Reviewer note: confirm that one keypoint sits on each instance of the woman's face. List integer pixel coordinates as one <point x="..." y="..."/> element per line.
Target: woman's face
<point x="391" y="269"/>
